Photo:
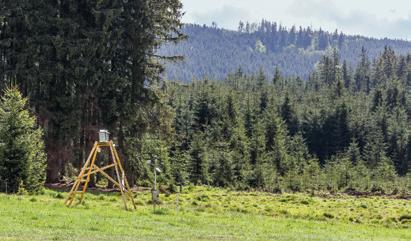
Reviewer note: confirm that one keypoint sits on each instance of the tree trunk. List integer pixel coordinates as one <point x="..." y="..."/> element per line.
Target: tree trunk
<point x="53" y="162"/>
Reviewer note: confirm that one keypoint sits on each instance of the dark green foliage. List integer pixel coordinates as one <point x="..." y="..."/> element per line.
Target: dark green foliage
<point x="88" y="65"/>
<point x="22" y="157"/>
<point x="199" y="163"/>
<point x="330" y="133"/>
<point x="362" y="74"/>
<point x="224" y="171"/>
<point x="288" y="115"/>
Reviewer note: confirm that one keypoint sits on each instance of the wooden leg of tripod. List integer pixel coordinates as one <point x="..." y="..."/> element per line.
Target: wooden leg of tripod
<point x="90" y="169"/>
<point x="79" y="178"/>
<point x="129" y="192"/>
<point x="121" y="184"/>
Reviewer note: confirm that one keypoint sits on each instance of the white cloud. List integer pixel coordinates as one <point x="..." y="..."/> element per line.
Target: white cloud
<point x="353" y="21"/>
<point x="365" y="17"/>
<point x="227" y="16"/>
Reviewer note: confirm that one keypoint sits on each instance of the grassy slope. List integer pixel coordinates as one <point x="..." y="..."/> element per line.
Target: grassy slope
<point x="206" y="214"/>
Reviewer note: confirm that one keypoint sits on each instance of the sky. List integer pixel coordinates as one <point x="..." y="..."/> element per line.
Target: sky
<point x="372" y="18"/>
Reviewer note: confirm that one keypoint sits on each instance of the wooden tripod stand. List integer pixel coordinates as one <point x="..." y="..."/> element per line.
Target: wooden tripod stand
<point x="90" y="168"/>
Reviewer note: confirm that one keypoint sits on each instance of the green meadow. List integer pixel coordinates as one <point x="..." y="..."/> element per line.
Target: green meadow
<point x="202" y="213"/>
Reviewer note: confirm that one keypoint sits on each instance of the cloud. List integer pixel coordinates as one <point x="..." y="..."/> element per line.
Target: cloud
<point x="355" y="21"/>
<point x="226" y="16"/>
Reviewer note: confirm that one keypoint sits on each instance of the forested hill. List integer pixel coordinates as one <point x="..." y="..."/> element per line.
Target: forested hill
<point x="213" y="52"/>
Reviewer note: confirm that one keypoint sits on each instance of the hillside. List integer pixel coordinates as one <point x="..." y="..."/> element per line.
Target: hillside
<point x="213" y="52"/>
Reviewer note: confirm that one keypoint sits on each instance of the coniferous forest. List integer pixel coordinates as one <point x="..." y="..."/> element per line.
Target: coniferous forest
<point x="340" y="130"/>
<point x="214" y="52"/>
<point x="84" y="66"/>
<point x="121" y="120"/>
<point x="89" y="65"/>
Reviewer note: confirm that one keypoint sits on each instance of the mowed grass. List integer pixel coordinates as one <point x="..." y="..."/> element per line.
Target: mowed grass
<point x="205" y="214"/>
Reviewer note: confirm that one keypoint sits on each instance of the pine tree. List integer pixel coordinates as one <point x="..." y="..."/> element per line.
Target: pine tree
<point x="398" y="140"/>
<point x="353" y="152"/>
<point x="204" y="109"/>
<point x="312" y="176"/>
<point x="336" y="68"/>
<point x="362" y="74"/>
<point x="263" y="101"/>
<point x="337" y="173"/>
<point x="337" y="132"/>
<point x="257" y="155"/>
<point x="232" y="109"/>
<point x="224" y="176"/>
<point x="22" y="156"/>
<point x="402" y="70"/>
<point x="361" y="178"/>
<point x="375" y="148"/>
<point x="276" y="143"/>
<point x="346" y="75"/>
<point x="261" y="79"/>
<point x="277" y="76"/>
<point x="179" y="165"/>
<point x="288" y="115"/>
<point x="298" y="152"/>
<point x="386" y="68"/>
<point x="249" y="121"/>
<point x="342" y="132"/>
<point x="198" y="164"/>
<point x="384" y="176"/>
<point x="183" y="124"/>
<point x="240" y="153"/>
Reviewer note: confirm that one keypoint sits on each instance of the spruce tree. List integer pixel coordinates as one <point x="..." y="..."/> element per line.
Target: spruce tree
<point x="362" y="74"/>
<point x="288" y="115"/>
<point x="384" y="176"/>
<point x="361" y="178"/>
<point x="346" y="75"/>
<point x="224" y="176"/>
<point x="312" y="176"/>
<point x="276" y="139"/>
<point x="22" y="156"/>
<point x="258" y="158"/>
<point x="199" y="161"/>
<point x="240" y="153"/>
<point x="261" y="79"/>
<point x="277" y="76"/>
<point x="353" y="152"/>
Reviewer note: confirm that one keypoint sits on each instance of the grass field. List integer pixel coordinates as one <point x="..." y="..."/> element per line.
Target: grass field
<point x="206" y="214"/>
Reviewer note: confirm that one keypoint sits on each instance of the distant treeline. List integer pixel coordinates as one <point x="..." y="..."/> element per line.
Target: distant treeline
<point x="212" y="52"/>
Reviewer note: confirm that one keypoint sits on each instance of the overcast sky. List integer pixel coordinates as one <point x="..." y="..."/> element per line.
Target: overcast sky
<point x="375" y="18"/>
